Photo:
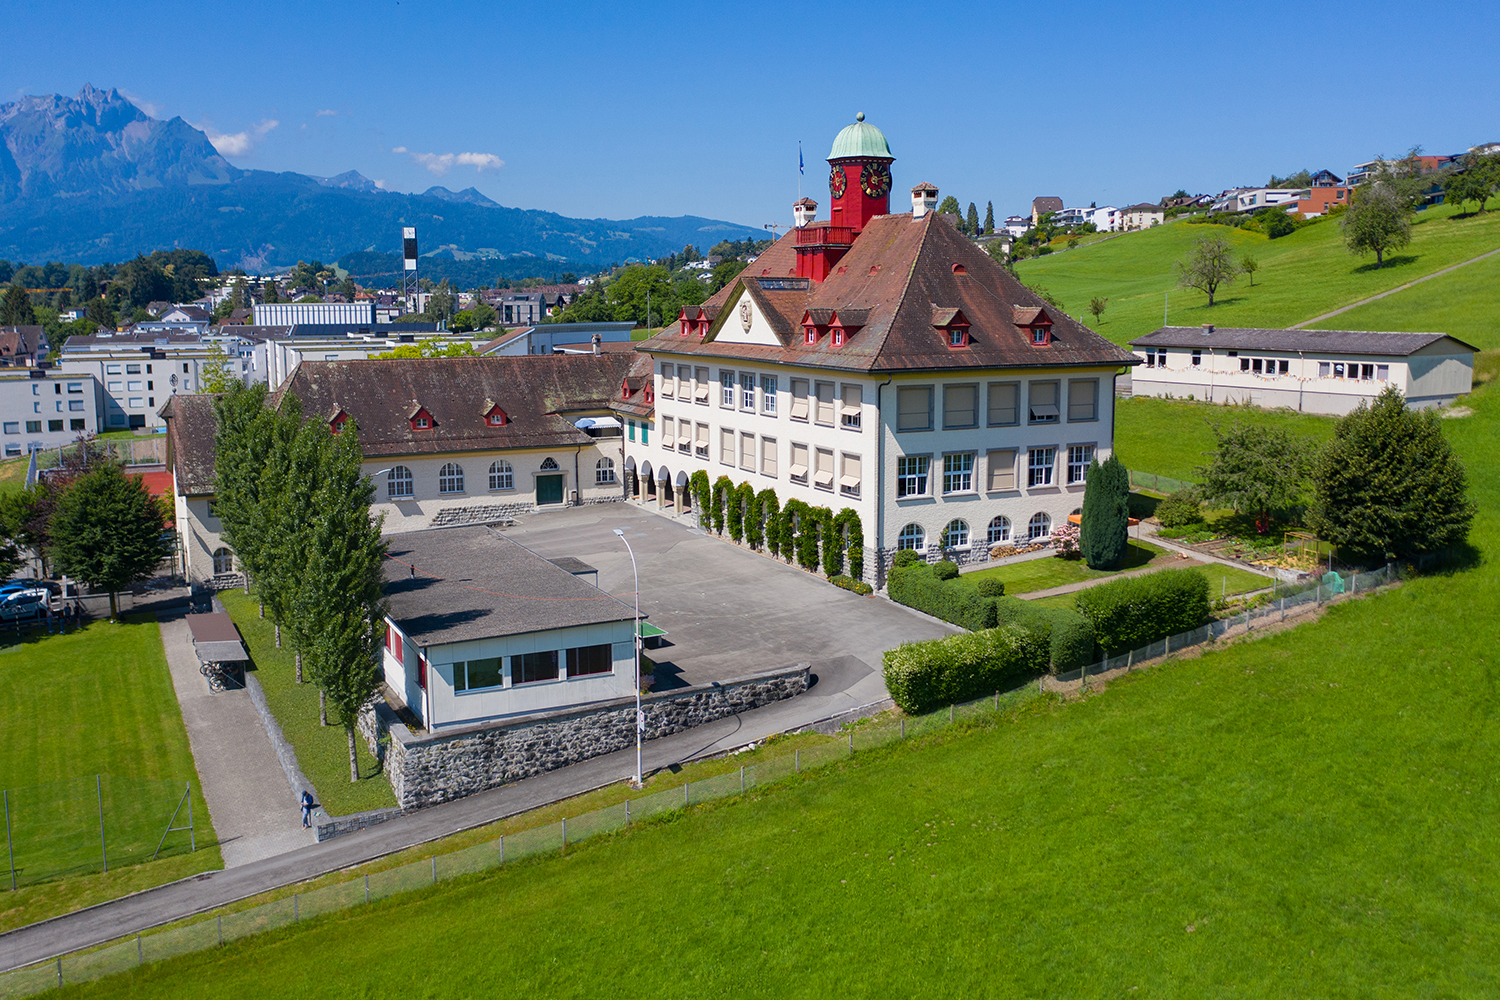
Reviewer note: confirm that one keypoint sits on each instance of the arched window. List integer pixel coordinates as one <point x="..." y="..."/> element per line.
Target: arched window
<point x="502" y="476"/>
<point x="956" y="535"/>
<point x="398" y="483"/>
<point x="549" y="465"/>
<point x="1000" y="529"/>
<point x="912" y="537"/>
<point x="604" y="471"/>
<point x="1040" y="526"/>
<point x="451" y="478"/>
<point x="223" y="561"/>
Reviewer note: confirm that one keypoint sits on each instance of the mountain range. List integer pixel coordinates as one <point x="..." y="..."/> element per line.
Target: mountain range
<point x="92" y="178"/>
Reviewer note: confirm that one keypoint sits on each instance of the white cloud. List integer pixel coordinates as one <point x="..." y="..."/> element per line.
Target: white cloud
<point x="325" y="113"/>
<point x="239" y="143"/>
<point x="151" y="108"/>
<point x="380" y="183"/>
<point x="441" y="163"/>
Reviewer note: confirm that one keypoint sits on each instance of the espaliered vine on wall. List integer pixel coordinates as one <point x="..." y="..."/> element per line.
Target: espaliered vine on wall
<point x="765" y="512"/>
<point x="847" y="525"/>
<point x="702" y="498"/>
<point x="812" y="537"/>
<point x="722" y="488"/>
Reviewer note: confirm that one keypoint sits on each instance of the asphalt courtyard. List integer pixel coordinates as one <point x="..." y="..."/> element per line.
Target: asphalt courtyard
<point x="729" y="611"/>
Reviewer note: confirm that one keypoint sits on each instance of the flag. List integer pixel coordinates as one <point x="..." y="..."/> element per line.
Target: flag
<point x="799" y="159"/>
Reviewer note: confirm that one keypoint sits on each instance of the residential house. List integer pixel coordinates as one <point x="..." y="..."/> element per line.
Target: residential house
<point x="23" y="346"/>
<point x="885" y="363"/>
<point x="292" y="313"/>
<point x="1016" y="226"/>
<point x="1311" y="371"/>
<point x="44" y="408"/>
<point x="1042" y="205"/>
<point x="1105" y="220"/>
<point x="1142" y="216"/>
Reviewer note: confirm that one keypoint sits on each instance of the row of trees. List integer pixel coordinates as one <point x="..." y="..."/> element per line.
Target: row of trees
<point x="88" y="520"/>
<point x="797" y="532"/>
<point x="296" y="511"/>
<point x="968" y="222"/>
<point x="1387" y="486"/>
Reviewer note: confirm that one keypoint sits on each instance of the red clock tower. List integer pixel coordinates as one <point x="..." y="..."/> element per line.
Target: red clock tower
<point x="859" y="180"/>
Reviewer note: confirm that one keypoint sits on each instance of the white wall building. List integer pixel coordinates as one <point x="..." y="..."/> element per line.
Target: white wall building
<point x="288" y="313"/>
<point x="1312" y="371"/>
<point x="44" y="408"/>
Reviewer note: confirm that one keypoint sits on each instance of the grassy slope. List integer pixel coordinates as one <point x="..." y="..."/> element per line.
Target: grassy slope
<point x="1173" y="437"/>
<point x="1301" y="275"/>
<point x="322" y="751"/>
<point x="1463" y="303"/>
<point x="99" y="701"/>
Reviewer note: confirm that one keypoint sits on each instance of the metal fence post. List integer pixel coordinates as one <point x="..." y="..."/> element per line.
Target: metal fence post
<point x="687" y="799"/>
<point x="742" y="780"/>
<point x="140" y="956"/>
<point x="950" y="713"/>
<point x="997" y="701"/>
<point x="564" y="836"/>
<point x="627" y="812"/>
<point x="99" y="789"/>
<point x="502" y="836"/>
<point x="59" y="970"/>
<point x="797" y="760"/>
<point x="903" y="727"/>
<point x="192" y="834"/>
<point x="221" y="924"/>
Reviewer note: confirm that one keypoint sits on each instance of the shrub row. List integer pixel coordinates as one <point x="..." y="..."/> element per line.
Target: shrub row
<point x="1066" y="636"/>
<point x="1129" y="613"/>
<point x="849" y="583"/>
<point x="921" y="676"/>
<point x="920" y="586"/>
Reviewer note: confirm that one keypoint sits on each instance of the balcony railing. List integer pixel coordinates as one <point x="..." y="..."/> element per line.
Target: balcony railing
<point x="814" y="236"/>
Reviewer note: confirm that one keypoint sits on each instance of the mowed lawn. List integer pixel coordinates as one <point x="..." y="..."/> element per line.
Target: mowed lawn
<point x="1302" y="275"/>
<point x="1044" y="574"/>
<point x="322" y="751"/>
<point x="1175" y="437"/>
<point x="1463" y="303"/>
<point x="1310" y="814"/>
<point x="94" y="702"/>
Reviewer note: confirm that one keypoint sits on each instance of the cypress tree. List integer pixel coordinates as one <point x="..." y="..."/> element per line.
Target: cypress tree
<point x="1388" y="486"/>
<point x="242" y="443"/>
<point x="1105" y="532"/>
<point x="971" y="221"/>
<point x="989" y="216"/>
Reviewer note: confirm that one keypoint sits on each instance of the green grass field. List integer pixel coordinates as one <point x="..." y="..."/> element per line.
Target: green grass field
<point x="1044" y="574"/>
<point x="1462" y="303"/>
<point x="1173" y="437"/>
<point x="1301" y="275"/>
<point x="322" y="751"/>
<point x="98" y="701"/>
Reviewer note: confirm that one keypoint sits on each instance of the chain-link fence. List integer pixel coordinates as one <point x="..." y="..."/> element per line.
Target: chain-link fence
<point x="220" y="927"/>
<point x="92" y="824"/>
<point x="1157" y="484"/>
<point x="129" y="451"/>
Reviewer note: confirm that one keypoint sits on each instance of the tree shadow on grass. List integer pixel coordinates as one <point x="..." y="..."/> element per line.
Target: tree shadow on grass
<point x="1401" y="261"/>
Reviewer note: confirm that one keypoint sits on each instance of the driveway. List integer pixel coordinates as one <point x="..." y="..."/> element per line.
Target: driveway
<point x="729" y="611"/>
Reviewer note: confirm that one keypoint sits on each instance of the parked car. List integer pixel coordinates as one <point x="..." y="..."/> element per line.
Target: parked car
<point x="14" y="586"/>
<point x="23" y="605"/>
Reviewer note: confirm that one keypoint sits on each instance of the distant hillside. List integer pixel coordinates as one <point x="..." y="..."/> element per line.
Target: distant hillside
<point x="93" y="178"/>
<point x="1301" y="276"/>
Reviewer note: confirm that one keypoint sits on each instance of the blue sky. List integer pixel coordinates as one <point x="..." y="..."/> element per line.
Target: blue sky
<point x="673" y="109"/>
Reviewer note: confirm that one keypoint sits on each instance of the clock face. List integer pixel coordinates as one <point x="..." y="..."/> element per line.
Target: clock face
<point x="837" y="182"/>
<point x="875" y="179"/>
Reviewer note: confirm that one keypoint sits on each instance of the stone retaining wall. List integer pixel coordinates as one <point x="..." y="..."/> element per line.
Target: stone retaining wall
<point x="437" y="767"/>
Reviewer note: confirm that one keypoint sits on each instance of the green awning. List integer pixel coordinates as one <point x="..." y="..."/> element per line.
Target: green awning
<point x="649" y="631"/>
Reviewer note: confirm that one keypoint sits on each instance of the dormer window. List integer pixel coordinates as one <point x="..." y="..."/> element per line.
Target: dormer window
<point x="958" y="336"/>
<point x="337" y="421"/>
<point x="421" y="423"/>
<point x="420" y="419"/>
<point x="687" y="327"/>
<point x="839" y="336"/>
<point x="1041" y="336"/>
<point x="809" y="335"/>
<point x="496" y="419"/>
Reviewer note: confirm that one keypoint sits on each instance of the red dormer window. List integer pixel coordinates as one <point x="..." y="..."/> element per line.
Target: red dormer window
<point x="687" y="327"/>
<point x="839" y="337"/>
<point x="495" y="418"/>
<point x="958" y="336"/>
<point x="1041" y="336"/>
<point x="624" y="388"/>
<point x="336" y="425"/>
<point x="421" y="420"/>
<point x="650" y="394"/>
<point x="809" y="335"/>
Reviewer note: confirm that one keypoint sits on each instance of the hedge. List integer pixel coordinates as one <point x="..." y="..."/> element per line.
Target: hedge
<point x="1066" y="637"/>
<point x="1130" y="613"/>
<point x="921" y="676"/>
<point x="917" y="586"/>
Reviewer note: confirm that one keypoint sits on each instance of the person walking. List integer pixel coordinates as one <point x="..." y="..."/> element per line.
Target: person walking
<point x="307" y="808"/>
<point x="47" y="615"/>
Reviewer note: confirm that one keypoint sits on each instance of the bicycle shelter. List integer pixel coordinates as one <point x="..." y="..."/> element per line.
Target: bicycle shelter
<point x="221" y="653"/>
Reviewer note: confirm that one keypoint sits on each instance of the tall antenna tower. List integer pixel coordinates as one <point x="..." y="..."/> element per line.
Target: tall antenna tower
<point x="409" y="287"/>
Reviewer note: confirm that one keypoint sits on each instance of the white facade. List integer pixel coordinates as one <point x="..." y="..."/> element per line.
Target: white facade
<point x="1307" y="381"/>
<point x="1141" y="217"/>
<point x="482" y="679"/>
<point x="272" y="360"/>
<point x="289" y="313"/>
<point x="1106" y="219"/>
<point x="46" y="411"/>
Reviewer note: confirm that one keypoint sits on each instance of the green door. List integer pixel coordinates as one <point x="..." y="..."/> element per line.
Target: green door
<point x="549" y="489"/>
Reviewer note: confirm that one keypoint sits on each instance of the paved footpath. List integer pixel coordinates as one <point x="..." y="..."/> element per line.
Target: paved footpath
<point x="840" y="687"/>
<point x="250" y="803"/>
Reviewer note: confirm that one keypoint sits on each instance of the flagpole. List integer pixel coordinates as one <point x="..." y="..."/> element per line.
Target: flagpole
<point x="799" y="169"/>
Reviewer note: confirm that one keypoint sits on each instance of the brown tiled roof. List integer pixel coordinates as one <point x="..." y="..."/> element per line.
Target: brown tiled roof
<point x="533" y="390"/>
<point x="20" y="341"/>
<point x="1047" y="203"/>
<point x="191" y="426"/>
<point x="897" y="273"/>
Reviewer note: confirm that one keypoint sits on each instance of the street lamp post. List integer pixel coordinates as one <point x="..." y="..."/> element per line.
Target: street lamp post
<point x="640" y="720"/>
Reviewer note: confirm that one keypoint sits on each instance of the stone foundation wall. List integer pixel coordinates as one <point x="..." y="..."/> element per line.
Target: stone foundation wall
<point x="975" y="555"/>
<point x="437" y="767"/>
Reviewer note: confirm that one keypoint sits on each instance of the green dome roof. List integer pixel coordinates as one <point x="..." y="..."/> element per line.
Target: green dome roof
<point x="861" y="139"/>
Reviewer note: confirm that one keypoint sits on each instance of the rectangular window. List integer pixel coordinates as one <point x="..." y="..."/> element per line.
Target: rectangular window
<point x="585" y="660"/>
<point x="799" y="399"/>
<point x="1079" y="457"/>
<point x="645" y="432"/>
<point x="747" y="391"/>
<point x="726" y="446"/>
<point x="76" y="425"/>
<point x="1039" y="466"/>
<point x="1197" y="358"/>
<point x="700" y="441"/>
<point x="1042" y="407"/>
<point x="1255" y="366"/>
<point x="914" y="408"/>
<point x="134" y="385"/>
<point x="911" y="476"/>
<point x="768" y="395"/>
<point x="849" y="475"/>
<point x="1383" y="372"/>
<point x="823" y="473"/>
<point x="631" y="425"/>
<point x="747" y="451"/>
<point x="1244" y="364"/>
<point x="668" y="433"/>
<point x="853" y="401"/>
<point x="1161" y="359"/>
<point x="530" y="667"/>
<point x="473" y="675"/>
<point x="1322" y="369"/>
<point x="824" y="415"/>
<point x="131" y="369"/>
<point x="768" y="456"/>
<point x="57" y="425"/>
<point x="798" y="471"/>
<point x="726" y="388"/>
<point x="958" y="473"/>
<point x="1004" y="404"/>
<point x="1338" y="369"/>
<point x="75" y="387"/>
<point x="1283" y="366"/>
<point x="700" y="386"/>
<point x="116" y="386"/>
<point x="33" y="427"/>
<point x="75" y="405"/>
<point x="685" y="436"/>
<point x="111" y="369"/>
<point x="1083" y="399"/>
<point x="1151" y="357"/>
<point x="1367" y="372"/>
<point x="668" y="380"/>
<point x="1001" y="466"/>
<point x="136" y="401"/>
<point x="960" y="406"/>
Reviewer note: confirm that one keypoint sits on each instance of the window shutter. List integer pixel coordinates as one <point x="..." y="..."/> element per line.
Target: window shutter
<point x="825" y="403"/>
<point x="914" y="409"/>
<point x="799" y="399"/>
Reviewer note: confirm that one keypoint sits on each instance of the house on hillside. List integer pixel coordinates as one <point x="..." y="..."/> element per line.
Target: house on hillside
<point x="1142" y="216"/>
<point x="480" y="628"/>
<point x="23" y="346"/>
<point x="1311" y="371"/>
<point x="1040" y="206"/>
<point x="885" y="363"/>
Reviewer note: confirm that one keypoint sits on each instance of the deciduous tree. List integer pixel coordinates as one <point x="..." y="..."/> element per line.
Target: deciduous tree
<point x="1377" y="221"/>
<point x="1388" y="485"/>
<point x="1256" y="472"/>
<point x="1096" y="306"/>
<point x="1475" y="182"/>
<point x="1209" y="265"/>
<point x="109" y="531"/>
<point x="1249" y="265"/>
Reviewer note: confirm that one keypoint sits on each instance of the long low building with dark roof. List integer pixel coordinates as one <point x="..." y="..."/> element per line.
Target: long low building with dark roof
<point x="1311" y="371"/>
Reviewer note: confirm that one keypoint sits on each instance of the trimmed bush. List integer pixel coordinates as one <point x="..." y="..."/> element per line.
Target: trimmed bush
<point x="1130" y="613"/>
<point x="945" y="570"/>
<point x="766" y="511"/>
<point x="905" y="557"/>
<point x="953" y="601"/>
<point x="1105" y="533"/>
<point x="990" y="587"/>
<point x="1065" y="638"/>
<point x="1179" y="510"/>
<point x="863" y="589"/>
<point x="921" y="676"/>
